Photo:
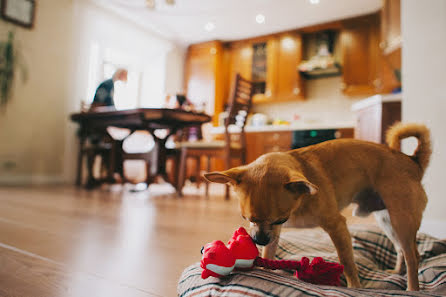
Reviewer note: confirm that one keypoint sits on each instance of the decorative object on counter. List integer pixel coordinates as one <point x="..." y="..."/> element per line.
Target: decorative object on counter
<point x="280" y="122"/>
<point x="8" y="64"/>
<point x="259" y="119"/>
<point x="19" y="12"/>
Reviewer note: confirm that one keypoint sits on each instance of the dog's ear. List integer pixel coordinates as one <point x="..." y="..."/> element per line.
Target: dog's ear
<point x="232" y="176"/>
<point x="300" y="186"/>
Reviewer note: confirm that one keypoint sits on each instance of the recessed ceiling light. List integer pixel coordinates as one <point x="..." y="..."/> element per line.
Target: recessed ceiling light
<point x="150" y="4"/>
<point x="209" y="26"/>
<point x="314" y="1"/>
<point x="260" y="18"/>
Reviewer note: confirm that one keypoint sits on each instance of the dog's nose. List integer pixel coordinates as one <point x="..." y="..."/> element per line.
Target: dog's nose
<point x="261" y="238"/>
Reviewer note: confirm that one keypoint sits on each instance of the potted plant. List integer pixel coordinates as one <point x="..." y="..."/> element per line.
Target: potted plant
<point x="8" y="65"/>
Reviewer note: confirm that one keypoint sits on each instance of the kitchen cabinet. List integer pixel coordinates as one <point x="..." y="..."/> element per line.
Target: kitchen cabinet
<point x="211" y="67"/>
<point x="259" y="143"/>
<point x="391" y="44"/>
<point x="391" y="26"/>
<point x="244" y="59"/>
<point x="240" y="59"/>
<point x="290" y="84"/>
<point x="366" y="69"/>
<point x="360" y="51"/>
<point x="375" y="115"/>
<point x="204" y="77"/>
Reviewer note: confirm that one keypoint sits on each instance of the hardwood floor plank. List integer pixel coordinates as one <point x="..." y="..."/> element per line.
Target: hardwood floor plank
<point x="23" y="274"/>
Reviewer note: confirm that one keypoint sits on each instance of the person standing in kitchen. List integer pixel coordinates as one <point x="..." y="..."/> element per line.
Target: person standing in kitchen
<point x="105" y="91"/>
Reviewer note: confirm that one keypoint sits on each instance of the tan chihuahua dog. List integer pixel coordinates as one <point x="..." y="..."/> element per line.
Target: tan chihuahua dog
<point x="310" y="186"/>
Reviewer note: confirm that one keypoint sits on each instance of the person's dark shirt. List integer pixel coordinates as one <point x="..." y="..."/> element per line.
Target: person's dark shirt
<point x="104" y="93"/>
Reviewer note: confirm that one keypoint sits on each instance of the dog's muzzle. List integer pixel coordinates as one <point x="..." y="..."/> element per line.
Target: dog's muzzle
<point x="261" y="238"/>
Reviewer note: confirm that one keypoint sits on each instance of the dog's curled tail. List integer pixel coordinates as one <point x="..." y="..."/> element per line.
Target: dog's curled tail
<point x="400" y="131"/>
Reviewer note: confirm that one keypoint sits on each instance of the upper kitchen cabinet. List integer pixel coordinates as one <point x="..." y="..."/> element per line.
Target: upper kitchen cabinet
<point x="290" y="85"/>
<point x="367" y="70"/>
<point x="203" y="77"/>
<point x="271" y="63"/>
<point x="240" y="59"/>
<point x="360" y="55"/>
<point x="391" y="43"/>
<point x="391" y="26"/>
<point x="255" y="59"/>
<point x="281" y="64"/>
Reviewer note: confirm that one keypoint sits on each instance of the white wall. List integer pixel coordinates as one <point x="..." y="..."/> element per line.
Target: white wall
<point x="175" y="70"/>
<point x="38" y="139"/>
<point x="32" y="127"/>
<point x="424" y="79"/>
<point x="324" y="102"/>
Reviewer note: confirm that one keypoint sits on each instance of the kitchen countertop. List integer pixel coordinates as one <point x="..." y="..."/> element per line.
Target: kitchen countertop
<point x="292" y="127"/>
<point x="376" y="100"/>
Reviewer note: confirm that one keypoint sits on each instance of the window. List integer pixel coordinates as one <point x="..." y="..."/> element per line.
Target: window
<point x="102" y="65"/>
<point x="126" y="95"/>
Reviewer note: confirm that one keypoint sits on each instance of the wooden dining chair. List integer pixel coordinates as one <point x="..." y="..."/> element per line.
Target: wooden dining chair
<point x="101" y="146"/>
<point x="228" y="149"/>
<point x="137" y="146"/>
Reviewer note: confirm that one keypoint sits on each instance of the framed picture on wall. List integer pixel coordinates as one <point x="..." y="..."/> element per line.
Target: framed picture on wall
<point x="19" y="12"/>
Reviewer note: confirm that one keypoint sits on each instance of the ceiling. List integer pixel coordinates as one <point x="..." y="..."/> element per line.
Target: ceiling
<point x="185" y="21"/>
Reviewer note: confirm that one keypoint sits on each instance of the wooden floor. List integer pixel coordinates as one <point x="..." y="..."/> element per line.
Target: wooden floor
<point x="62" y="241"/>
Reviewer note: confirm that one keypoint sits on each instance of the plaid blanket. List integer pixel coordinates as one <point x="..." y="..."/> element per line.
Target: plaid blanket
<point x="374" y="253"/>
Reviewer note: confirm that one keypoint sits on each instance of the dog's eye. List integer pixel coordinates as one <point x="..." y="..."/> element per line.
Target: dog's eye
<point x="280" y="222"/>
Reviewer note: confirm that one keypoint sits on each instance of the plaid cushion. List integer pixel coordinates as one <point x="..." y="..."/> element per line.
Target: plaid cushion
<point x="374" y="253"/>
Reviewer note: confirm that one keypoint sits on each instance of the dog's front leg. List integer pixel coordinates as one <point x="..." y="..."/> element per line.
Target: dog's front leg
<point x="339" y="234"/>
<point x="269" y="251"/>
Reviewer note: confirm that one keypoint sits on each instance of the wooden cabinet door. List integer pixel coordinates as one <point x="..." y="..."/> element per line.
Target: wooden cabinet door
<point x="240" y="60"/>
<point x="360" y="50"/>
<point x="391" y="26"/>
<point x="199" y="81"/>
<point x="289" y="82"/>
<point x="390" y="44"/>
<point x="271" y="70"/>
<point x="203" y="76"/>
<point x="259" y="143"/>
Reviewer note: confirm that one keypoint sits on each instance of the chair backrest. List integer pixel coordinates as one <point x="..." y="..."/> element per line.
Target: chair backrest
<point x="241" y="102"/>
<point x="238" y="111"/>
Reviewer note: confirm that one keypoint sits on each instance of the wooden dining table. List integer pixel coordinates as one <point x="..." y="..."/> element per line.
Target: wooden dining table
<point x="148" y="119"/>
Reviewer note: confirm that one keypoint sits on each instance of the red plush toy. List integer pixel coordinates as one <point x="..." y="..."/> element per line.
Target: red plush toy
<point x="241" y="253"/>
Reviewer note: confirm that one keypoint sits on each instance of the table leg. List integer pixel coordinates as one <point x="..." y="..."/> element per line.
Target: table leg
<point x="117" y="163"/>
<point x="160" y="155"/>
<point x="79" y="160"/>
<point x="162" y="158"/>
